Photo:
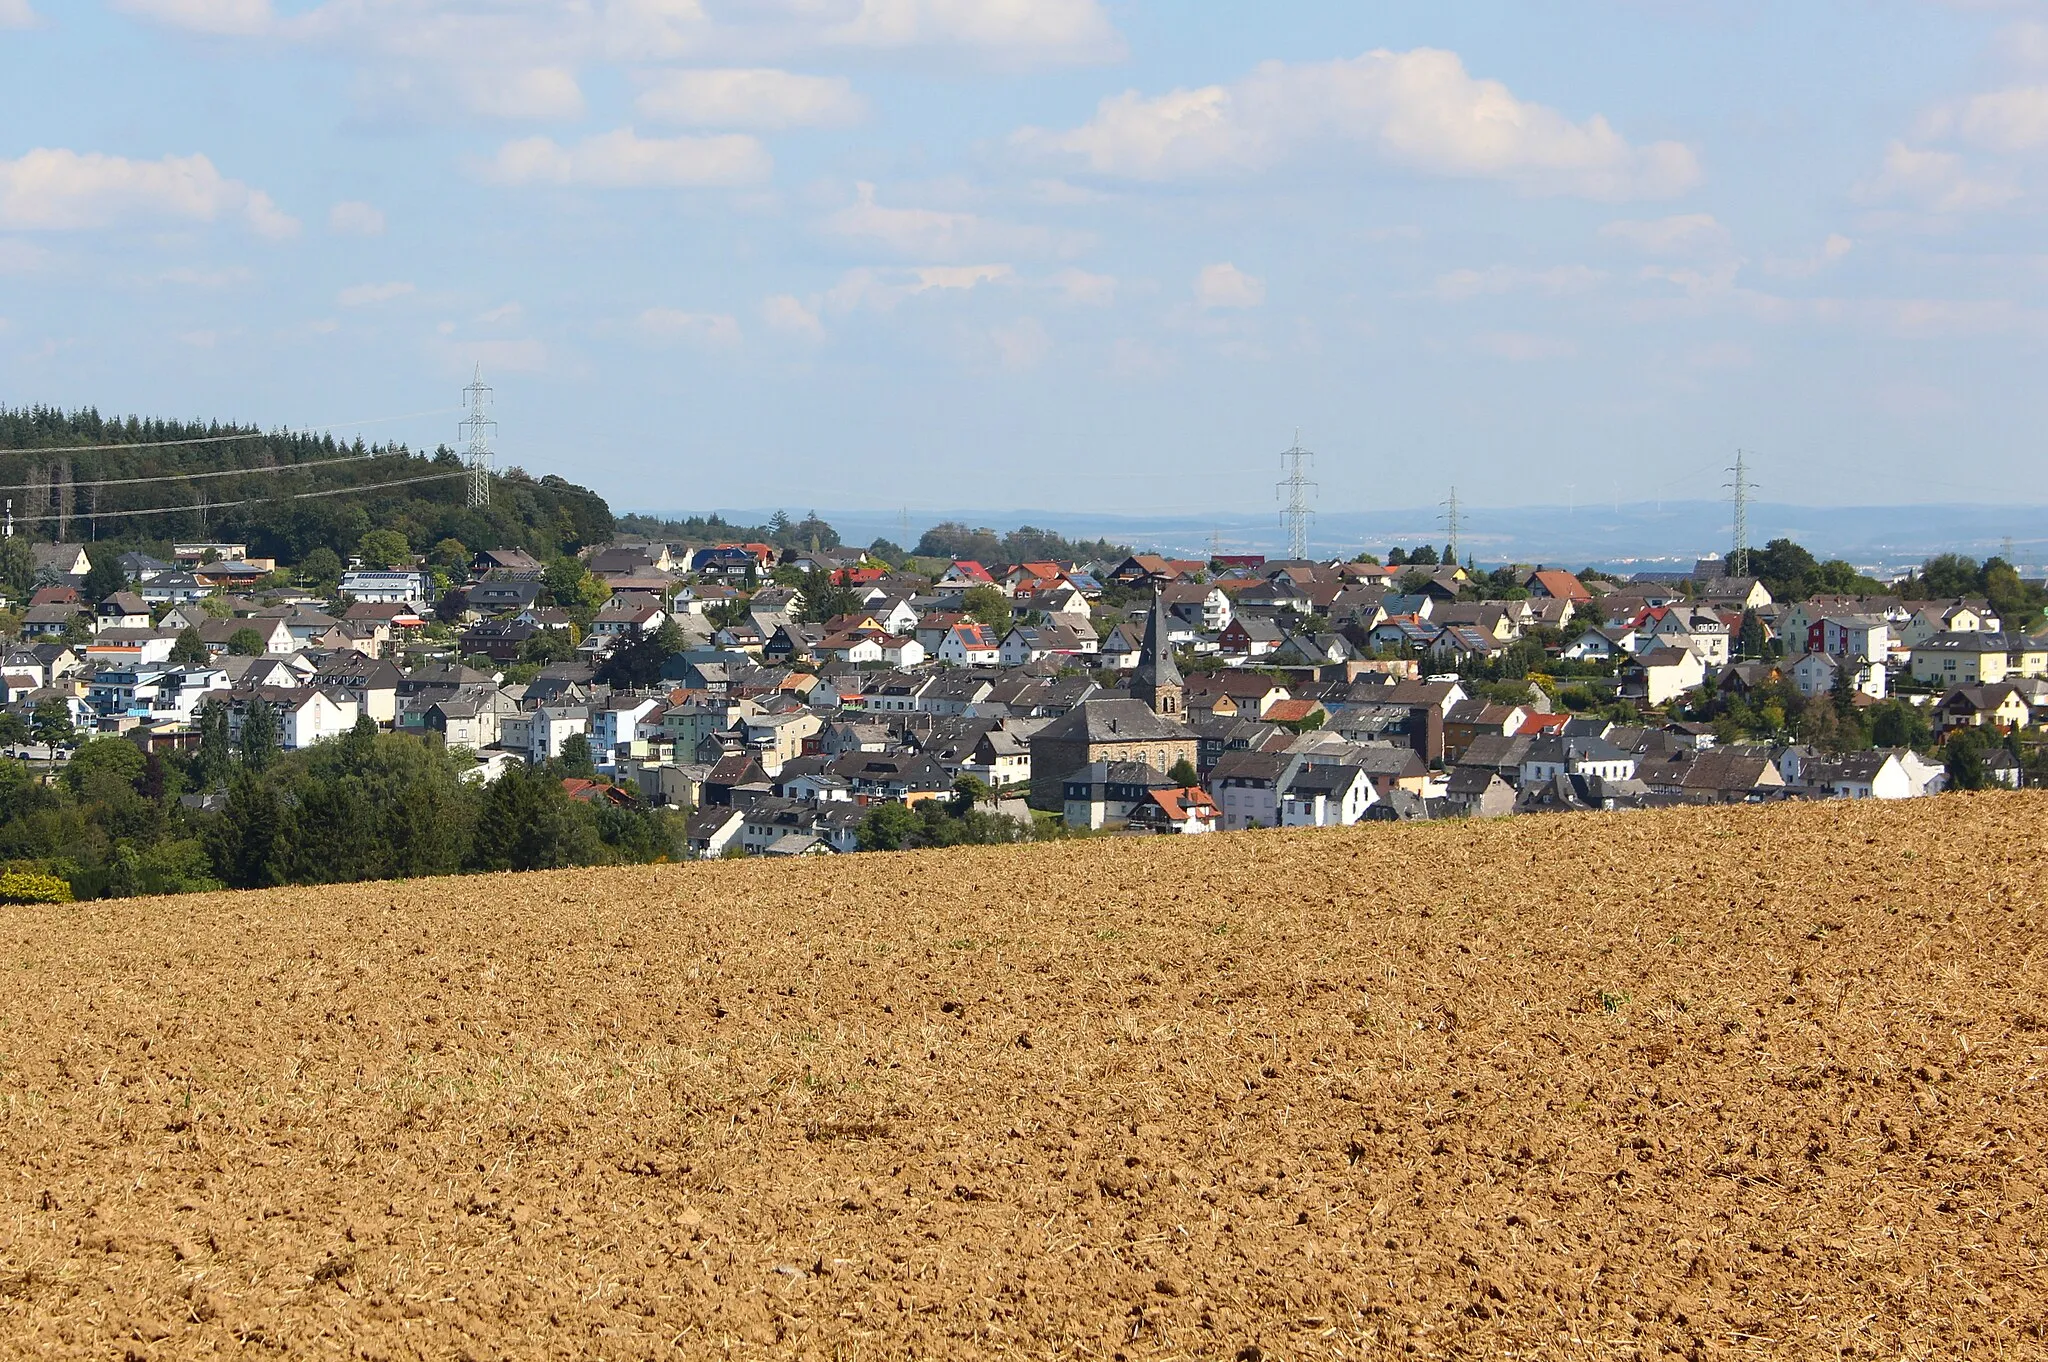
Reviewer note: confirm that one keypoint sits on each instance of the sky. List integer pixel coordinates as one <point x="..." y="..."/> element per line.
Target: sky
<point x="1072" y="254"/>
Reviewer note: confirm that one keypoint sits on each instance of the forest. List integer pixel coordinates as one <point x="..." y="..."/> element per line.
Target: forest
<point x="222" y="483"/>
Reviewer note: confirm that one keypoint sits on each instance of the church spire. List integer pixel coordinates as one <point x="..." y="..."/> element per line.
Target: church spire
<point x="1158" y="682"/>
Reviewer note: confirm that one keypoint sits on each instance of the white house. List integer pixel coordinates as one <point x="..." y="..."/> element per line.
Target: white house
<point x="395" y="586"/>
<point x="1326" y="797"/>
<point x="971" y="645"/>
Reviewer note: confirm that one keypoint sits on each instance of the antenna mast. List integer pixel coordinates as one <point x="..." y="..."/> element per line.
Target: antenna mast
<point x="1296" y="484"/>
<point x="477" y="428"/>
<point x="1738" y="556"/>
<point x="1452" y="522"/>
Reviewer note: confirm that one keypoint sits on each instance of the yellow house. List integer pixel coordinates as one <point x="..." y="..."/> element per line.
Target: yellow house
<point x="1970" y="659"/>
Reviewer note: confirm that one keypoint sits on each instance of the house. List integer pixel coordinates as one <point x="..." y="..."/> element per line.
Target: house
<point x="122" y="610"/>
<point x="966" y="572"/>
<point x="1471" y="717"/>
<point x="172" y="588"/>
<point x="1876" y="774"/>
<point x="371" y="683"/>
<point x="274" y="634"/>
<point x="56" y="561"/>
<point x="52" y="621"/>
<point x="473" y="717"/>
<point x="1557" y="585"/>
<point x="1249" y="636"/>
<point x="1971" y="658"/>
<point x="1662" y="674"/>
<point x="129" y="647"/>
<point x="395" y="585"/>
<point x="1554" y="754"/>
<point x="2001" y="706"/>
<point x="970" y="645"/>
<point x="508" y="564"/>
<point x="1188" y="810"/>
<point x="503" y="597"/>
<point x="1730" y="775"/>
<point x="1817" y="673"/>
<point x="305" y="715"/>
<point x="1000" y="756"/>
<point x="710" y="831"/>
<point x="1326" y="796"/>
<point x="499" y="640"/>
<point x="880" y="777"/>
<point x="620" y="621"/>
<point x="1476" y="792"/>
<point x="1104" y="793"/>
<point x="1960" y="616"/>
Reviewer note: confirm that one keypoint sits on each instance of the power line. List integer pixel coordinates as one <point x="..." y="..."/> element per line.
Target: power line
<point x="205" y="507"/>
<point x="478" y="427"/>
<point x="1452" y="522"/>
<point x="194" y="477"/>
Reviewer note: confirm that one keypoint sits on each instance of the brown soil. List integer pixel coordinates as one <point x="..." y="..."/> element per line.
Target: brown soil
<point x="1699" y="1083"/>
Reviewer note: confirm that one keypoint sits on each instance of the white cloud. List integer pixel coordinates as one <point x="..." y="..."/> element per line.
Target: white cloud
<point x="504" y="314"/>
<point x="2014" y="120"/>
<point x="786" y="313"/>
<point x="17" y="14"/>
<point x="709" y="330"/>
<point x="1688" y="236"/>
<point x="1935" y="180"/>
<point x="750" y="98"/>
<point x="623" y="159"/>
<point x="56" y="189"/>
<point x="538" y="93"/>
<point x="1016" y="30"/>
<point x="936" y="234"/>
<point x="1832" y="251"/>
<point x="1556" y="281"/>
<point x="1522" y="348"/>
<point x="1021" y="345"/>
<point x="368" y="295"/>
<point x="1419" y="110"/>
<point x="352" y="217"/>
<point x="1225" y="285"/>
<point x="239" y="18"/>
<point x="884" y="289"/>
<point x="1088" y="290"/>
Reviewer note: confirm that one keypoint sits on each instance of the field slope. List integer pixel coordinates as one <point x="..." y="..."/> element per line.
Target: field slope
<point x="1697" y="1083"/>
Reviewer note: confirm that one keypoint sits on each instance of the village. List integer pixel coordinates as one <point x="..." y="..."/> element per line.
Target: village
<point x="1144" y="695"/>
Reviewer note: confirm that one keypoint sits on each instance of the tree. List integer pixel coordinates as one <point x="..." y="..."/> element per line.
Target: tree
<point x="527" y="823"/>
<point x="259" y="736"/>
<point x="215" y="759"/>
<point x="575" y="760"/>
<point x="103" y="578"/>
<point x="888" y="827"/>
<point x="1895" y="723"/>
<point x="250" y="843"/>
<point x="383" y="549"/>
<point x="968" y="791"/>
<point x="1750" y="639"/>
<point x="452" y="556"/>
<point x="50" y="723"/>
<point x="570" y="585"/>
<point x="245" y="642"/>
<point x="1963" y="756"/>
<point x="820" y="598"/>
<point x="987" y="605"/>
<point x="17" y="565"/>
<point x="322" y="567"/>
<point x="190" y="649"/>
<point x="1183" y="774"/>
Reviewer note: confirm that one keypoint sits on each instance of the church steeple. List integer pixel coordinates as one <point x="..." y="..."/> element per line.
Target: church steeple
<point x="1158" y="682"/>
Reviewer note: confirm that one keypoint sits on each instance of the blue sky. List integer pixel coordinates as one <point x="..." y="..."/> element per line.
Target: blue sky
<point x="1054" y="253"/>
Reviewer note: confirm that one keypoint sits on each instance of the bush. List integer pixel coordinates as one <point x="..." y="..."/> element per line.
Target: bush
<point x="30" y="886"/>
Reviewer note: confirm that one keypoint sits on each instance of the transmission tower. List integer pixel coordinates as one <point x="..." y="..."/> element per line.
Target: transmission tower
<point x="477" y="429"/>
<point x="1452" y="523"/>
<point x="1738" y="556"/>
<point x="1296" y="484"/>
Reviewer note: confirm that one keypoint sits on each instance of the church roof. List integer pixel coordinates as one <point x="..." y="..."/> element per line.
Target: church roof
<point x="1099" y="721"/>
<point x="1156" y="666"/>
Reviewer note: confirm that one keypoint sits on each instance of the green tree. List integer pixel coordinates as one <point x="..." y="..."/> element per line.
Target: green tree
<point x="245" y="642"/>
<point x="1895" y="723"/>
<point x="988" y="606"/>
<point x="190" y="649"/>
<point x="1963" y="757"/>
<point x="50" y="722"/>
<point x="575" y="760"/>
<point x="259" y="736"/>
<point x="215" y="759"/>
<point x="103" y="578"/>
<point x="570" y="585"/>
<point x="888" y="827"/>
<point x="527" y="823"/>
<point x="1750" y="639"/>
<point x="322" y="567"/>
<point x="968" y="791"/>
<point x="450" y="556"/>
<point x="383" y="549"/>
<point x="1183" y="774"/>
<point x="17" y="565"/>
<point x="250" y="843"/>
<point x="820" y="598"/>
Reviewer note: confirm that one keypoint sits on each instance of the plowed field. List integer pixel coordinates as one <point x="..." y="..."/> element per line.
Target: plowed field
<point x="1697" y="1083"/>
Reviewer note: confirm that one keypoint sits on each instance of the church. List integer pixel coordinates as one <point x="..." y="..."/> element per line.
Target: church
<point x="1148" y="727"/>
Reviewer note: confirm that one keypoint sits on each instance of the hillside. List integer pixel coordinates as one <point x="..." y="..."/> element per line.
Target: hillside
<point x="1707" y="1083"/>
